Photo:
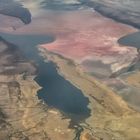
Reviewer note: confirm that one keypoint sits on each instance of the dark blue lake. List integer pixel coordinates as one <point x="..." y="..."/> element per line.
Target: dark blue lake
<point x="132" y="40"/>
<point x="56" y="91"/>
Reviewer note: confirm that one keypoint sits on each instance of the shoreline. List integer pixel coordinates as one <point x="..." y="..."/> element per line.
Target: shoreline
<point x="106" y="106"/>
<point x="21" y="112"/>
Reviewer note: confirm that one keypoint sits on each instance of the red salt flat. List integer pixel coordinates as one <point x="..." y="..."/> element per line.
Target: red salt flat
<point x="83" y="35"/>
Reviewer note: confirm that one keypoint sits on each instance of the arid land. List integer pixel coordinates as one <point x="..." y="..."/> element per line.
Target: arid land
<point x="24" y="117"/>
<point x="111" y="116"/>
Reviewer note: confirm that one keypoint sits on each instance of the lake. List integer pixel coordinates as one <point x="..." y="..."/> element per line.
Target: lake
<point x="56" y="91"/>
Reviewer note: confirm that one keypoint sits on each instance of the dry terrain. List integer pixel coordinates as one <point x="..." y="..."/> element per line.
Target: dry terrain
<point x="22" y="115"/>
<point x="85" y="42"/>
<point x="111" y="116"/>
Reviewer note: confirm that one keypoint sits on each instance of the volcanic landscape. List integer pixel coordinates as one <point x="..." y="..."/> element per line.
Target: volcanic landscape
<point x="68" y="71"/>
